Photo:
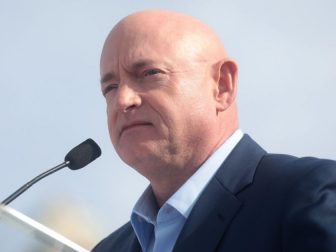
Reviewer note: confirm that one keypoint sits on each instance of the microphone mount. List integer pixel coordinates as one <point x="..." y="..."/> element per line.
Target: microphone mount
<point x="77" y="158"/>
<point x="23" y="188"/>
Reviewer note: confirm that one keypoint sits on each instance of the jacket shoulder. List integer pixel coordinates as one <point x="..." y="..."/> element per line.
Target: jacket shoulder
<point x="309" y="213"/>
<point x="291" y="166"/>
<point x="280" y="177"/>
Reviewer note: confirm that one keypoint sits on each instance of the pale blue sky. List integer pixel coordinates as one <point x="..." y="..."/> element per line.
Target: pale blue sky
<point x="50" y="97"/>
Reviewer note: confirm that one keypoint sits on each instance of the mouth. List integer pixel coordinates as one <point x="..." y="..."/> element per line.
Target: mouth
<point x="134" y="125"/>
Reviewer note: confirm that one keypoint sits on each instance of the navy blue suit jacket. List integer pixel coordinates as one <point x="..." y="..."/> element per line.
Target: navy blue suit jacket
<point x="256" y="202"/>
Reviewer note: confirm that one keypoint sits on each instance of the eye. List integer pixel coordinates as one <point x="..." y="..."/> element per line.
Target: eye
<point x="152" y="72"/>
<point x="109" y="88"/>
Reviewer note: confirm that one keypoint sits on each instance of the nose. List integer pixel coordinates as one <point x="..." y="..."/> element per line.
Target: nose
<point x="127" y="98"/>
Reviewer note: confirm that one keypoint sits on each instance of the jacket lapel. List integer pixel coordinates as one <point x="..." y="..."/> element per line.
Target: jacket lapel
<point x="208" y="220"/>
<point x="218" y="205"/>
<point x="134" y="246"/>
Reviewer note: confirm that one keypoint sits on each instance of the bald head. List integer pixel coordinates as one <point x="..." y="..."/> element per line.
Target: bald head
<point x="170" y="89"/>
<point x="185" y="33"/>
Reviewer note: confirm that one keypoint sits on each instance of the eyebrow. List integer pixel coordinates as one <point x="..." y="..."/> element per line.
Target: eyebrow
<point x="135" y="66"/>
<point x="141" y="63"/>
<point x="107" y="77"/>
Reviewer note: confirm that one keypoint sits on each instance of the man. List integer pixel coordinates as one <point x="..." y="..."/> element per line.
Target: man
<point x="170" y="90"/>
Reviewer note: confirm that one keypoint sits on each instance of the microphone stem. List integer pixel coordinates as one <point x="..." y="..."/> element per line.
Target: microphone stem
<point x="32" y="182"/>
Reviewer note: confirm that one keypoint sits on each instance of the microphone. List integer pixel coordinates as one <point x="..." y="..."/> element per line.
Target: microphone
<point x="77" y="158"/>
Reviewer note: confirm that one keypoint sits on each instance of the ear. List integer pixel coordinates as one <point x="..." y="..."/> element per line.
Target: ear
<point x="226" y="83"/>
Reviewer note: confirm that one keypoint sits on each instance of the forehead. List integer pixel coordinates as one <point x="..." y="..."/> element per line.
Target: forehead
<point x="129" y="46"/>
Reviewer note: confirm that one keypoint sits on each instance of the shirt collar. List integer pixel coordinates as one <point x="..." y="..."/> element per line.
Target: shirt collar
<point x="186" y="196"/>
<point x="146" y="207"/>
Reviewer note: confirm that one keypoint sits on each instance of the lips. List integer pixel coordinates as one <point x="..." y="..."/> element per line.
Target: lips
<point x="134" y="125"/>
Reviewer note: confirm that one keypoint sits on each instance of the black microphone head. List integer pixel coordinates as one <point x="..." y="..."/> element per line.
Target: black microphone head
<point x="83" y="154"/>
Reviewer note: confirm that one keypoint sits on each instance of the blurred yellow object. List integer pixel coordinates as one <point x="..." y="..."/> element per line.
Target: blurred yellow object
<point x="72" y="221"/>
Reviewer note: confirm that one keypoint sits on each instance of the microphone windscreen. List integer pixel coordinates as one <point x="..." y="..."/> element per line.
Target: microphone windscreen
<point x="83" y="154"/>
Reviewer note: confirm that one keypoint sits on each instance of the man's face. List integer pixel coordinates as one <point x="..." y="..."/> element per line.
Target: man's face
<point x="159" y="96"/>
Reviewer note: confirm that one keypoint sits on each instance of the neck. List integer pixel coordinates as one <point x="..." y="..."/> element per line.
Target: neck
<point x="166" y="185"/>
<point x="164" y="188"/>
<point x="166" y="182"/>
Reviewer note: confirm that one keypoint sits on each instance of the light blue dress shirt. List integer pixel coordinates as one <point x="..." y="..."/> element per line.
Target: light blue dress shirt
<point x="157" y="229"/>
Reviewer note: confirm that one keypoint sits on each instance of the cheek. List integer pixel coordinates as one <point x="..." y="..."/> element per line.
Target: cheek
<point x="111" y="123"/>
<point x="199" y="114"/>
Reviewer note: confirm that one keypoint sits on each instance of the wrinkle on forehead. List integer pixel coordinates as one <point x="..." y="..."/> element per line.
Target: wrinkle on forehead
<point x="170" y="30"/>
